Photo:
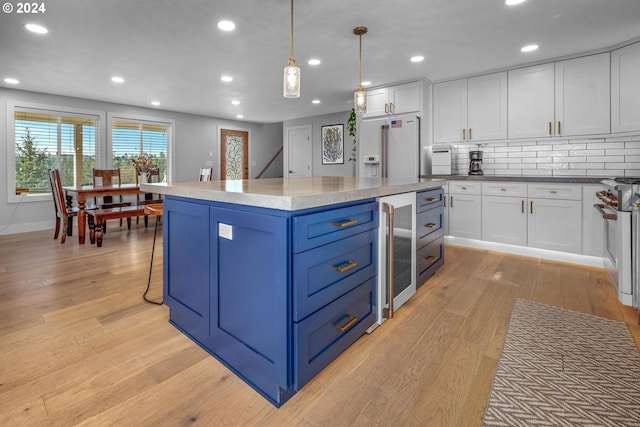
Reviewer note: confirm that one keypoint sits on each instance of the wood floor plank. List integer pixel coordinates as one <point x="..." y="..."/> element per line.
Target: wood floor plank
<point x="80" y="346"/>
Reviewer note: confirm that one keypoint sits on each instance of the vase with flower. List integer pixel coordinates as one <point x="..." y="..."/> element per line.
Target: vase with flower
<point x="143" y="165"/>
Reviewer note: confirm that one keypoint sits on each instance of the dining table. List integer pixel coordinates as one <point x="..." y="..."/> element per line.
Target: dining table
<point x="83" y="192"/>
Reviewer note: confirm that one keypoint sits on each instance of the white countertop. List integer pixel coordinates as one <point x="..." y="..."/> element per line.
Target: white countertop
<point x="292" y="193"/>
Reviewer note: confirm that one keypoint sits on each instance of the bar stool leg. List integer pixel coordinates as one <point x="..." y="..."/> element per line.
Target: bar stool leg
<point x="153" y="249"/>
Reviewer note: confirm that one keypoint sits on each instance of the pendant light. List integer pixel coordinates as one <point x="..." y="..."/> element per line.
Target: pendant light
<point x="360" y="95"/>
<point x="291" y="83"/>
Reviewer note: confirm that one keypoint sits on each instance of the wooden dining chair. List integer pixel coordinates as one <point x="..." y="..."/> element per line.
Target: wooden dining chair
<point x="149" y="198"/>
<point x="104" y="177"/>
<point x="64" y="213"/>
<point x="206" y="174"/>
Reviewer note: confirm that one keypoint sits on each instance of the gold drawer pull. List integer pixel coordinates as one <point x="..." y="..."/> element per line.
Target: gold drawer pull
<point x="553" y="192"/>
<point x="431" y="259"/>
<point x="463" y="188"/>
<point x="431" y="225"/>
<point x="348" y="266"/>
<point x="430" y="199"/>
<point x="346" y="223"/>
<point x="350" y="322"/>
<point x="503" y="189"/>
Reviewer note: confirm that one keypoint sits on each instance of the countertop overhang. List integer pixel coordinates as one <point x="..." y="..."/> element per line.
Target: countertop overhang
<point x="517" y="178"/>
<point x="292" y="193"/>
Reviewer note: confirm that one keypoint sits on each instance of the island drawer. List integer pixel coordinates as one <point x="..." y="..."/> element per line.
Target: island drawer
<point x="429" y="258"/>
<point x="428" y="199"/>
<point x="323" y="274"/>
<point x="321" y="337"/>
<point x="320" y="228"/>
<point x="429" y="225"/>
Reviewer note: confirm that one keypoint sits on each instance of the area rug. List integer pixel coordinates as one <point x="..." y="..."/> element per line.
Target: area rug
<point x="563" y="368"/>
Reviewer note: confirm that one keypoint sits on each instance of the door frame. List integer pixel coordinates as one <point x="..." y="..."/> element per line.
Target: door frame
<point x="217" y="170"/>
<point x="285" y="147"/>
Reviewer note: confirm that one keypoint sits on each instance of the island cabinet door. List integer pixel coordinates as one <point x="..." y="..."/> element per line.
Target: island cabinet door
<point x="186" y="266"/>
<point x="249" y="299"/>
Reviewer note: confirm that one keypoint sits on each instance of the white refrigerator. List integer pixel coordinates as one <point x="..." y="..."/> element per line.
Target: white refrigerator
<point x="391" y="146"/>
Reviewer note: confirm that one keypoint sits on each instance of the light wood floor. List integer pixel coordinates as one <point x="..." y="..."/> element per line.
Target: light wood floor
<point x="79" y="346"/>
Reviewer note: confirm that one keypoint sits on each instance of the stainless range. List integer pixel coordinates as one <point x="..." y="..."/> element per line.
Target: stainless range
<point x="619" y="200"/>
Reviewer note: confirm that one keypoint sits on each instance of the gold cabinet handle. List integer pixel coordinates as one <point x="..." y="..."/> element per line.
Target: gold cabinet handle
<point x="391" y="107"/>
<point x="558" y="127"/>
<point x="522" y="207"/>
<point x="348" y="266"/>
<point x="503" y="189"/>
<point x="451" y="200"/>
<point x="431" y="259"/>
<point x="463" y="188"/>
<point x="444" y="200"/>
<point x="550" y="128"/>
<point x="386" y="108"/>
<point x="531" y="207"/>
<point x="553" y="192"/>
<point x="470" y="134"/>
<point x="346" y="223"/>
<point x="464" y="134"/>
<point x="431" y="225"/>
<point x="350" y="322"/>
<point x="430" y="199"/>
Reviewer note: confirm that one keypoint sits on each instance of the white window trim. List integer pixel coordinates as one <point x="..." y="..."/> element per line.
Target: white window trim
<point x="111" y="117"/>
<point x="11" y="146"/>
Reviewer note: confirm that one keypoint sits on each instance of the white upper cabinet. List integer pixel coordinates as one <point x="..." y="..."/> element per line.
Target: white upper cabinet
<point x="583" y="94"/>
<point x="397" y="99"/>
<point x="565" y="98"/>
<point x="487" y="107"/>
<point x="531" y="101"/>
<point x="625" y="89"/>
<point x="473" y="109"/>
<point x="449" y="110"/>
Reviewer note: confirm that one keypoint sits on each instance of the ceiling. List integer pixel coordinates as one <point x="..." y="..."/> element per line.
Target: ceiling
<point x="172" y="51"/>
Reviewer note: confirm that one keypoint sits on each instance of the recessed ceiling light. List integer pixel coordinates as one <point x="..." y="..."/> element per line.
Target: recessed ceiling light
<point x="366" y="83"/>
<point x="226" y="78"/>
<point x="417" y="58"/>
<point x="235" y="102"/>
<point x="529" y="48"/>
<point x="226" y="25"/>
<point x="513" y="2"/>
<point x="315" y="101"/>
<point x="11" y="81"/>
<point x="35" y="28"/>
<point x="155" y="103"/>
<point x="117" y="79"/>
<point x="239" y="116"/>
<point x="314" y="62"/>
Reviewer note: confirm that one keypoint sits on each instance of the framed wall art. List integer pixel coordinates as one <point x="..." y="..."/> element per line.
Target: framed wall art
<point x="333" y="144"/>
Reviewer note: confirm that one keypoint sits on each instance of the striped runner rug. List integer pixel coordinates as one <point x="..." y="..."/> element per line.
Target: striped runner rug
<point x="563" y="368"/>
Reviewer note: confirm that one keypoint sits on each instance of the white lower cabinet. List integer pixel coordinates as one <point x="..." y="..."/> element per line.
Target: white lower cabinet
<point x="555" y="224"/>
<point x="465" y="210"/>
<point x="504" y="220"/>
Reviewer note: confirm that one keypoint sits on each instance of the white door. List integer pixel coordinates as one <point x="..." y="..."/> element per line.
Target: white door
<point x="450" y="111"/>
<point x="555" y="225"/>
<point x="298" y="158"/>
<point x="531" y="101"/>
<point x="583" y="95"/>
<point x="625" y="89"/>
<point x="504" y="220"/>
<point x="487" y="107"/>
<point x="403" y="150"/>
<point x="465" y="216"/>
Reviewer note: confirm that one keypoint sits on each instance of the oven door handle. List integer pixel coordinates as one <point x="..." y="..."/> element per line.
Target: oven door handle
<point x="600" y="208"/>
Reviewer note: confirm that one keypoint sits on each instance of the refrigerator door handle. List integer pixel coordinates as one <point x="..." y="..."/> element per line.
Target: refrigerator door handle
<point x="384" y="143"/>
<point x="389" y="210"/>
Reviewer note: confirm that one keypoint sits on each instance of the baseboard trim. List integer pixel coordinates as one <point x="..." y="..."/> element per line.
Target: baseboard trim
<point x="27" y="227"/>
<point x="587" y="260"/>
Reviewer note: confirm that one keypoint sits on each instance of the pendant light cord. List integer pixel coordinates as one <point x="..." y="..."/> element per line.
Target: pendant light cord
<point x="360" y="59"/>
<point x="291" y="36"/>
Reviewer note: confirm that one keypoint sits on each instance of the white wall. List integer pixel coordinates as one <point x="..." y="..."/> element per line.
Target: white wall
<point x="195" y="137"/>
<point x="316" y="122"/>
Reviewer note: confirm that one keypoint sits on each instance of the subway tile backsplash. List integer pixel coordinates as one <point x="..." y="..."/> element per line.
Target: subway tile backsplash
<point x="611" y="156"/>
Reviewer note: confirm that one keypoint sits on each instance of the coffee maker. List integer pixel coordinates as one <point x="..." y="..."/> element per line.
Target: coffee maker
<point x="475" y="162"/>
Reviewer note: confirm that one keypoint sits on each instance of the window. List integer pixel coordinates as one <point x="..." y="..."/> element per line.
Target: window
<point x="43" y="139"/>
<point x="131" y="138"/>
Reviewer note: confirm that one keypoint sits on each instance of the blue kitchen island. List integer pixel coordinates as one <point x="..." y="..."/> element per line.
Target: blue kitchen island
<point x="274" y="277"/>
